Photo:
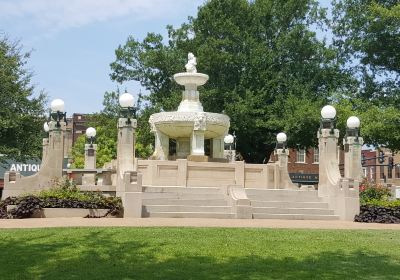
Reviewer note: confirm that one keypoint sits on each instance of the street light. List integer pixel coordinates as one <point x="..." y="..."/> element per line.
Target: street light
<point x="90" y="135"/>
<point x="57" y="112"/>
<point x="281" y="139"/>
<point x="328" y="118"/>
<point x="46" y="127"/>
<point x="353" y="126"/>
<point x="228" y="139"/>
<point x="128" y="109"/>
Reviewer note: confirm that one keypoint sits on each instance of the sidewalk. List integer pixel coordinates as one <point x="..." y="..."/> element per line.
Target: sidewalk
<point x="185" y="222"/>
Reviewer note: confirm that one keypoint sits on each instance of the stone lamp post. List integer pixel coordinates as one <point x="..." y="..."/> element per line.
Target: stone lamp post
<point x="352" y="146"/>
<point x="45" y="141"/>
<point x="126" y="139"/>
<point x="281" y="150"/>
<point x="228" y="139"/>
<point x="53" y="155"/>
<point x="328" y="135"/>
<point x="90" y="157"/>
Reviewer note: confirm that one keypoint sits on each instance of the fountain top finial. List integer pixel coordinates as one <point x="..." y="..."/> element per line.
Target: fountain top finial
<point x="191" y="64"/>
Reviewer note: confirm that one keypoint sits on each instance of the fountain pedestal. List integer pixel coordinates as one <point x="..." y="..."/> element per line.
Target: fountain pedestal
<point x="189" y="126"/>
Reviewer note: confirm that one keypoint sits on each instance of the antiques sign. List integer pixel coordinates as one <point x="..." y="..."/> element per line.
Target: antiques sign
<point x="304" y="178"/>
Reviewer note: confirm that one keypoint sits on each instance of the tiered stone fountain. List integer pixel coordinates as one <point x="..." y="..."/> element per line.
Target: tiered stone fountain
<point x="190" y="126"/>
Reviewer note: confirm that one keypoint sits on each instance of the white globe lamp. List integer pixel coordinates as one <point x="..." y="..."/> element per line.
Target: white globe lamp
<point x="57" y="105"/>
<point x="90" y="132"/>
<point x="46" y="127"/>
<point x="353" y="122"/>
<point x="228" y="139"/>
<point x="328" y="112"/>
<point x="126" y="100"/>
<point x="281" y="137"/>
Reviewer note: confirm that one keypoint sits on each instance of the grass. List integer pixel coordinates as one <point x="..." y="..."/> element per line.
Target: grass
<point x="198" y="253"/>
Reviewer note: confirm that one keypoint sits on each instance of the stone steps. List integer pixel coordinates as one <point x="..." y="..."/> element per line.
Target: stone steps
<point x="294" y="216"/>
<point x="289" y="204"/>
<point x="187" y="208"/>
<point x="192" y="202"/>
<point x="181" y="190"/>
<point x="283" y="195"/>
<point x="210" y="215"/>
<point x="276" y="210"/>
<point x="185" y="202"/>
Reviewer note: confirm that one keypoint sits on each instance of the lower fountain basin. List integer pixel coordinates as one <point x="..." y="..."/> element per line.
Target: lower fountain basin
<point x="182" y="124"/>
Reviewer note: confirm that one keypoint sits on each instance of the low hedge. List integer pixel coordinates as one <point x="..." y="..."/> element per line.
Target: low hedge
<point x="63" y="195"/>
<point x="379" y="211"/>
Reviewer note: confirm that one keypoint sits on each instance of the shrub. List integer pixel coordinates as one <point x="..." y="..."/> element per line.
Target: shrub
<point x="64" y="194"/>
<point x="371" y="191"/>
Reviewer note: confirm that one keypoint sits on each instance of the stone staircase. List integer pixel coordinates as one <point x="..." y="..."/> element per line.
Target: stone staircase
<point x="185" y="202"/>
<point x="288" y="204"/>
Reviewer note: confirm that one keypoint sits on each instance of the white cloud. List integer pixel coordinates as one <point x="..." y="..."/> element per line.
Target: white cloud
<point x="55" y="15"/>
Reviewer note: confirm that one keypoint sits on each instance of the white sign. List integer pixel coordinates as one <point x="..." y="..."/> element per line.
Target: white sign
<point x="397" y="192"/>
<point x="25" y="167"/>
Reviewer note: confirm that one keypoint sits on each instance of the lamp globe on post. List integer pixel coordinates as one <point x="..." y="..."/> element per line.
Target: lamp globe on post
<point x="126" y="101"/>
<point x="57" y="111"/>
<point x="46" y="127"/>
<point x="328" y="118"/>
<point x="281" y="139"/>
<point x="228" y="139"/>
<point x="353" y="126"/>
<point x="91" y="134"/>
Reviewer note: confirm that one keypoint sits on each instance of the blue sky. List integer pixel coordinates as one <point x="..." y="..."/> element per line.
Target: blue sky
<point x="73" y="41"/>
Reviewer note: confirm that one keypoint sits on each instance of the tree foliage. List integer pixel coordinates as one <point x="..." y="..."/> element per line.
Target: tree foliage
<point x="21" y="112"/>
<point x="367" y="33"/>
<point x="267" y="69"/>
<point x="105" y="124"/>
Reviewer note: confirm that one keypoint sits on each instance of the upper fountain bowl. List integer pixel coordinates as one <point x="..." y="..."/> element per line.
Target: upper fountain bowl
<point x="187" y="78"/>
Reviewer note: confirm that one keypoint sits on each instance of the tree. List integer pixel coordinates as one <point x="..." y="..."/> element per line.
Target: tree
<point x="21" y="112"/>
<point x="367" y="33"/>
<point x="267" y="69"/>
<point x="105" y="123"/>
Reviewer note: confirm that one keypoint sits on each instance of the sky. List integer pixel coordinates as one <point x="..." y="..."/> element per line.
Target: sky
<point x="72" y="42"/>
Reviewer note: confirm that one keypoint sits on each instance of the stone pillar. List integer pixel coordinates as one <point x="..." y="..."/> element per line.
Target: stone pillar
<point x="45" y="146"/>
<point x="218" y="147"/>
<point x="161" y="145"/>
<point x="329" y="173"/>
<point x="90" y="163"/>
<point x="182" y="147"/>
<point x="51" y="167"/>
<point x="352" y="157"/>
<point x="283" y="179"/>
<point x="197" y="141"/>
<point x="125" y="151"/>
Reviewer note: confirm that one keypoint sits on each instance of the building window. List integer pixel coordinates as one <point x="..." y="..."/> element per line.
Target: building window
<point x="79" y="117"/>
<point x="316" y="155"/>
<point x="301" y="156"/>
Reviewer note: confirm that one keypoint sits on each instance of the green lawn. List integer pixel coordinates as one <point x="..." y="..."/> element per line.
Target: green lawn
<point x="191" y="253"/>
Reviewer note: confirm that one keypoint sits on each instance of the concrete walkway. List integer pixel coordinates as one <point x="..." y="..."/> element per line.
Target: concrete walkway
<point x="184" y="222"/>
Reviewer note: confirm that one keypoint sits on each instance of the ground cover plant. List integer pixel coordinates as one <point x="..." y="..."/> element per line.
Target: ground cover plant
<point x="377" y="205"/>
<point x="64" y="194"/>
<point x="198" y="253"/>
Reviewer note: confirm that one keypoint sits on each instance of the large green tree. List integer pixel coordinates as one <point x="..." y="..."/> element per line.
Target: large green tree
<point x="367" y="35"/>
<point x="105" y="123"/>
<point x="21" y="110"/>
<point x="268" y="71"/>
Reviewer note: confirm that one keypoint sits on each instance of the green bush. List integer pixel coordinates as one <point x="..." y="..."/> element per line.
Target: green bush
<point x="373" y="192"/>
<point x="383" y="203"/>
<point x="64" y="194"/>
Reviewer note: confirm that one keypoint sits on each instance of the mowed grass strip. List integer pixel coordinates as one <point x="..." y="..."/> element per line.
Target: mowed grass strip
<point x="198" y="253"/>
